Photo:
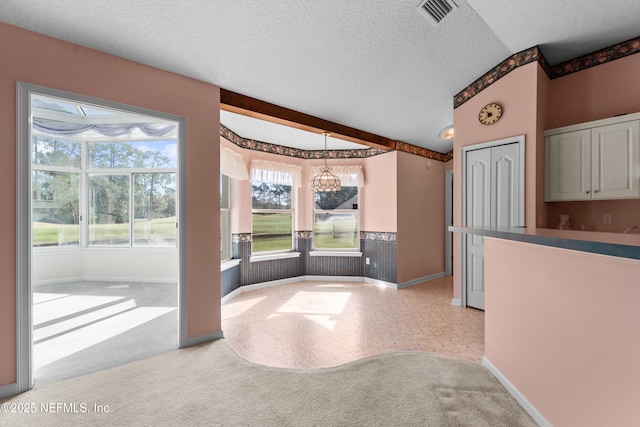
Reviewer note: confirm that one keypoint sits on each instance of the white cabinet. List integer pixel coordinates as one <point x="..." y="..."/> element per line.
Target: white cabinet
<point x="596" y="160"/>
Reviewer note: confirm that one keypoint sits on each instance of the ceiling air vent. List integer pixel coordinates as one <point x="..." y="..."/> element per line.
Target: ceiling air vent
<point x="436" y="10"/>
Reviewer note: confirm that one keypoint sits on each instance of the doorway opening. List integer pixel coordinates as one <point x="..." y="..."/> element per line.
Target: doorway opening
<point x="99" y="243"/>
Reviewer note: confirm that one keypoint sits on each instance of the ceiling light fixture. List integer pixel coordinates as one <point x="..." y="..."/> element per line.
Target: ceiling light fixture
<point x="447" y="133"/>
<point x="325" y="181"/>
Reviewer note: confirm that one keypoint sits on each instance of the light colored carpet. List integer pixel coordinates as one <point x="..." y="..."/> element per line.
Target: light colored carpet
<point x="211" y="385"/>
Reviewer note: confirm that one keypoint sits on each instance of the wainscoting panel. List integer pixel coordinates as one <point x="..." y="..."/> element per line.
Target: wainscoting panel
<point x="379" y="247"/>
<point x="266" y="271"/>
<point x="334" y="266"/>
<point x="231" y="280"/>
<point x="382" y="258"/>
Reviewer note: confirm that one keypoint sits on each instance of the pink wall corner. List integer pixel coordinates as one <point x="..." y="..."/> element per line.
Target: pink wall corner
<point x="562" y="327"/>
<point x="380" y="196"/>
<point x="517" y="93"/>
<point x="595" y="93"/>
<point x="421" y="212"/>
<point x="108" y="77"/>
<point x="543" y="117"/>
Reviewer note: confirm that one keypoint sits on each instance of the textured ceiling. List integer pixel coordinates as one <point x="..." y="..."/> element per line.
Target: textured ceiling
<point x="375" y="65"/>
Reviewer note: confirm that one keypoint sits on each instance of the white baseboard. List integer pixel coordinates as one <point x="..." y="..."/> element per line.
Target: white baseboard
<point x="234" y="293"/>
<point x="105" y="279"/>
<point x="456" y="302"/>
<point x="369" y="280"/>
<point x="204" y="338"/>
<point x="380" y="283"/>
<point x="335" y="278"/>
<point x="420" y="280"/>
<point x="8" y="390"/>
<point x="131" y="279"/>
<point x="271" y="283"/>
<point x="513" y="391"/>
<point x="57" y="281"/>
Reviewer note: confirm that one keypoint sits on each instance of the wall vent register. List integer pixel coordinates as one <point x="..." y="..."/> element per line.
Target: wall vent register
<point x="436" y="10"/>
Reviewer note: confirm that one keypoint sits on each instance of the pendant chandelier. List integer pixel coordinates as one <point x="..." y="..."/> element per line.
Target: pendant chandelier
<point x="325" y="181"/>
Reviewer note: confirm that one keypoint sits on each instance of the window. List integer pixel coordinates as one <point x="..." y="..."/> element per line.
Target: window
<point x="225" y="218"/>
<point x="120" y="176"/>
<point x="336" y="219"/>
<point x="132" y="180"/>
<point x="271" y="217"/>
<point x="273" y="187"/>
<point x="55" y="182"/>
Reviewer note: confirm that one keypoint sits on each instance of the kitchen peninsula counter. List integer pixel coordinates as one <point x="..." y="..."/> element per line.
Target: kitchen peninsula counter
<point x="613" y="244"/>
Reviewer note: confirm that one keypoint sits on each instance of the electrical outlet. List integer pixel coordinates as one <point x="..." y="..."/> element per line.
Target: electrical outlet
<point x="607" y="218"/>
<point x="367" y="261"/>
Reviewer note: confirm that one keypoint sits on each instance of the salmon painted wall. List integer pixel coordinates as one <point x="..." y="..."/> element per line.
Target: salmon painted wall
<point x="562" y="327"/>
<point x="420" y="246"/>
<point x="588" y="214"/>
<point x="380" y="205"/>
<point x="595" y="93"/>
<point x="517" y="93"/>
<point x="77" y="69"/>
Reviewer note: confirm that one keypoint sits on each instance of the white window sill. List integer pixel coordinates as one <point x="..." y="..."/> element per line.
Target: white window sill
<point x="336" y="253"/>
<point x="230" y="263"/>
<point x="269" y="257"/>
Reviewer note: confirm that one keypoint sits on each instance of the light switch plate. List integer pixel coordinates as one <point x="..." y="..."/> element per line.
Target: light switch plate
<point x="607" y="218"/>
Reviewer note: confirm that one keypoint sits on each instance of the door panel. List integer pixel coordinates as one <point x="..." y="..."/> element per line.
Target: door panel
<point x="492" y="199"/>
<point x="614" y="153"/>
<point x="505" y="164"/>
<point x="478" y="204"/>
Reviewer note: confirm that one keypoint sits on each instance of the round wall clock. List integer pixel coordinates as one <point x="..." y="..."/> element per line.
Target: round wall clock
<point x="490" y="114"/>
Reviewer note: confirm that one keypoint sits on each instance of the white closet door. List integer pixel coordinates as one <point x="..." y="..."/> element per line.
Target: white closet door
<point x="492" y="199"/>
<point x="478" y="207"/>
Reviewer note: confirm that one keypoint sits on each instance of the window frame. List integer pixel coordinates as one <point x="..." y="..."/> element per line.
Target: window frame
<point x="85" y="172"/>
<point x="225" y="223"/>
<point x="274" y="211"/>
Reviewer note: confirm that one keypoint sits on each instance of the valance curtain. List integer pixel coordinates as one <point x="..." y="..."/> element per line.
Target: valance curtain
<point x="276" y="173"/>
<point x="55" y="127"/>
<point x="350" y="176"/>
<point x="232" y="164"/>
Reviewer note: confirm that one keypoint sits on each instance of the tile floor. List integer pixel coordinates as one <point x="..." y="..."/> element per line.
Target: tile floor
<point x="84" y="327"/>
<point x="322" y="324"/>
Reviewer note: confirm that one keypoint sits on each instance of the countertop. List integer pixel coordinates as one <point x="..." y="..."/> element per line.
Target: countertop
<point x="612" y="244"/>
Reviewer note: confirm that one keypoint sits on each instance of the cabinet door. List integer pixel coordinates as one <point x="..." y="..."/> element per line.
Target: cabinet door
<point x="568" y="166"/>
<point x="615" y="156"/>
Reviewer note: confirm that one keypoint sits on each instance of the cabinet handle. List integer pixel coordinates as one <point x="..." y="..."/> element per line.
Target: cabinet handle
<point x="586" y="192"/>
<point x="595" y="191"/>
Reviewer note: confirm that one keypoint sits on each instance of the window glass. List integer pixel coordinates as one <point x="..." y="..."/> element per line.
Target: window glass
<point x="108" y="210"/>
<point x="272" y="217"/>
<point x="336" y="219"/>
<point x="50" y="151"/>
<point x="270" y="196"/>
<point x="154" y="201"/>
<point x="142" y="154"/>
<point x="56" y="211"/>
<point x="271" y="231"/>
